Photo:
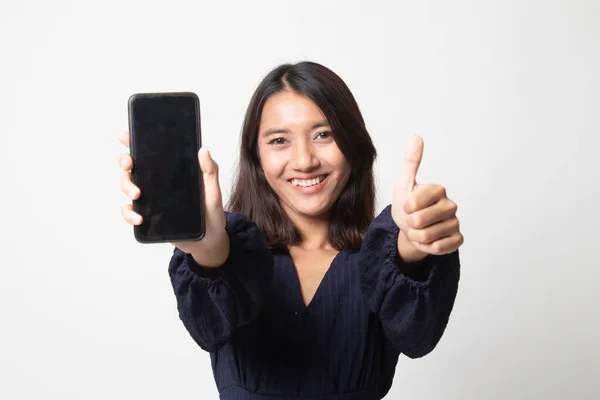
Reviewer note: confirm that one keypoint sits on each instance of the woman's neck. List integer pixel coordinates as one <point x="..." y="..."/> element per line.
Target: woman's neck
<point x="314" y="231"/>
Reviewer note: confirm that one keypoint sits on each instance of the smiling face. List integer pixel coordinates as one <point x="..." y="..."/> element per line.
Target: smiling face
<point x="300" y="159"/>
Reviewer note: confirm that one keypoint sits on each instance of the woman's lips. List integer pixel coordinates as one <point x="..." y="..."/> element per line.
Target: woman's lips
<point x="309" y="185"/>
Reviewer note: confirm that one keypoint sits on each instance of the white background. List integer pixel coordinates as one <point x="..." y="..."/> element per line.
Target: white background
<point x="506" y="95"/>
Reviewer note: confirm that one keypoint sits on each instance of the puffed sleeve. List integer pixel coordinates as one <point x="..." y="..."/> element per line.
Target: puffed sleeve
<point x="211" y="309"/>
<point x="413" y="311"/>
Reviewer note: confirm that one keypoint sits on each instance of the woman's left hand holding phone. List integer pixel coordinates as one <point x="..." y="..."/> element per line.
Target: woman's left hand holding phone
<point x="210" y="252"/>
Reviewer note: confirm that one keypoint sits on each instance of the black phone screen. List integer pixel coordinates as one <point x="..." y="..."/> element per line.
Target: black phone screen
<point x="165" y="139"/>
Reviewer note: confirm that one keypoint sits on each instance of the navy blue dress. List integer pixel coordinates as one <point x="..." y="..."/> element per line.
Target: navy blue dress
<point x="266" y="344"/>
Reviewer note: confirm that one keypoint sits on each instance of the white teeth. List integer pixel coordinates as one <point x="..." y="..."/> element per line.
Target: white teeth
<point x="308" y="182"/>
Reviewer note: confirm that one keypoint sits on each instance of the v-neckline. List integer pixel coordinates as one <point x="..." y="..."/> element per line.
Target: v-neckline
<point x="298" y="285"/>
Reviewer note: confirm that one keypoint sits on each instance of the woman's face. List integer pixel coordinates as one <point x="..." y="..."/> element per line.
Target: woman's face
<point x="300" y="159"/>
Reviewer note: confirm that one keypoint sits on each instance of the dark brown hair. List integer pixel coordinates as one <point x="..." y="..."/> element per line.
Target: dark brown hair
<point x="252" y="196"/>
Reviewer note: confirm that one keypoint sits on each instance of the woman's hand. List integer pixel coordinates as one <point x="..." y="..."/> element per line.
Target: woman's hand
<point x="425" y="215"/>
<point x="213" y="249"/>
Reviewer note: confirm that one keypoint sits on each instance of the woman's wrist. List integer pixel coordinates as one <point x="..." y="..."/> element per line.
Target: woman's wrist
<point x="407" y="252"/>
<point x="211" y="254"/>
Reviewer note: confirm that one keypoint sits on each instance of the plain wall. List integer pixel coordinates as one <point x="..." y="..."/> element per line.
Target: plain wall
<point x="506" y="95"/>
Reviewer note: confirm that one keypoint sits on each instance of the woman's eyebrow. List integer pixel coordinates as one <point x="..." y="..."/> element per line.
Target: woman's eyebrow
<point x="279" y="131"/>
<point x="321" y="124"/>
<point x="274" y="131"/>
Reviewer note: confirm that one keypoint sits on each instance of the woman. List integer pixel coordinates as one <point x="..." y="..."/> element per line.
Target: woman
<point x="297" y="291"/>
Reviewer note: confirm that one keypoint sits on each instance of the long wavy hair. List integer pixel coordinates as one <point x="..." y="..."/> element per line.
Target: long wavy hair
<point x="252" y="196"/>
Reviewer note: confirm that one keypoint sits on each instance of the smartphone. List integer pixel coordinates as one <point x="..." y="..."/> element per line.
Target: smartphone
<point x="165" y="137"/>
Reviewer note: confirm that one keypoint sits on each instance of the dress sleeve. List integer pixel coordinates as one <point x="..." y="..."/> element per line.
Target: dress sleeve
<point x="413" y="312"/>
<point x="211" y="309"/>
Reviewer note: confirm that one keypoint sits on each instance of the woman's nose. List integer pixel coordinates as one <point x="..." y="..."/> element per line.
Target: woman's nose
<point x="304" y="158"/>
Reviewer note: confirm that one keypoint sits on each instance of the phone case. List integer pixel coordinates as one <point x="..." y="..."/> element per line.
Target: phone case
<point x="133" y="151"/>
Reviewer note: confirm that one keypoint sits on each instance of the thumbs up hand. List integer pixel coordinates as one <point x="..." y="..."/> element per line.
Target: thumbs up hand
<point x="425" y="215"/>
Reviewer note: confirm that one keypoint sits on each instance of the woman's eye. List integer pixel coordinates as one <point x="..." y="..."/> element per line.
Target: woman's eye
<point x="277" y="141"/>
<point x="323" y="135"/>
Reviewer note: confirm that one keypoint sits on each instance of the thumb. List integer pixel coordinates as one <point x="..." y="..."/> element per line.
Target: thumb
<point x="412" y="160"/>
<point x="210" y="175"/>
